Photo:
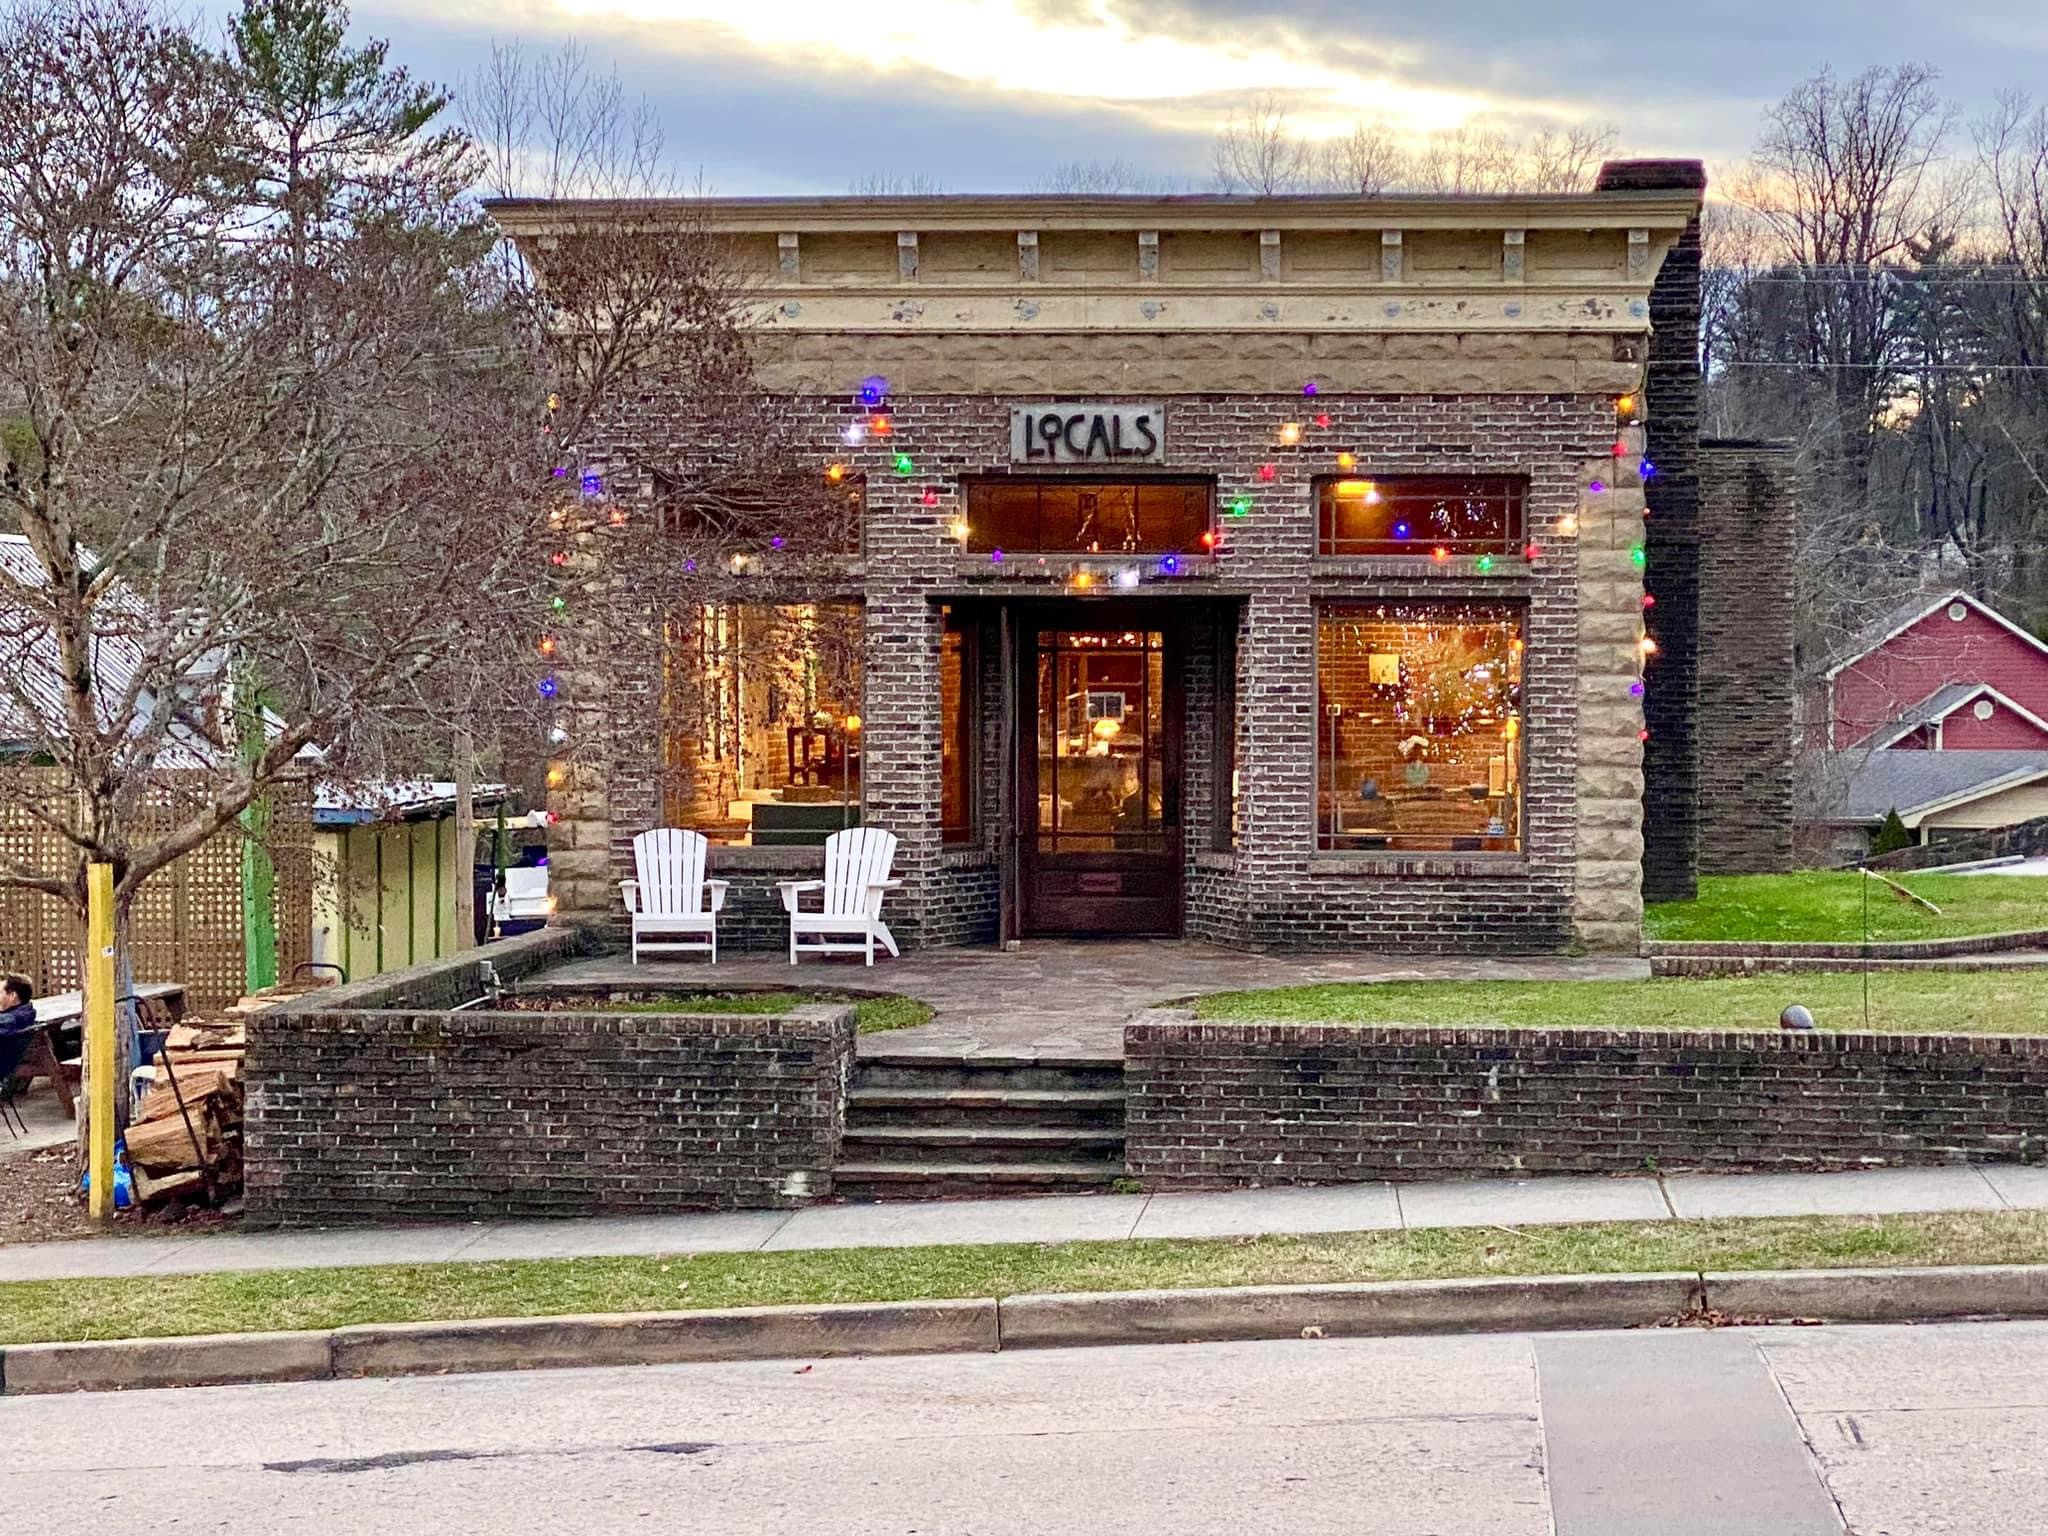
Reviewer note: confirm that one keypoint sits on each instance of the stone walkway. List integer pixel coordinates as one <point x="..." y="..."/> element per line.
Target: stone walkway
<point x="1073" y="1218"/>
<point x="1065" y="998"/>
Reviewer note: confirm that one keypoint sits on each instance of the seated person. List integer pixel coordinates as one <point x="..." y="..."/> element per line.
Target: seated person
<point x="17" y="1006"/>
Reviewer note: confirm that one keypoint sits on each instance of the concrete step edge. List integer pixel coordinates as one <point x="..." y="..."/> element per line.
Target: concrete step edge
<point x="989" y="1135"/>
<point x="980" y="1325"/>
<point x="1015" y="1172"/>
<point x="984" y="1098"/>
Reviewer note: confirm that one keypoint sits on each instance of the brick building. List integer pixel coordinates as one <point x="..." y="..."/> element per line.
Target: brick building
<point x="1269" y="571"/>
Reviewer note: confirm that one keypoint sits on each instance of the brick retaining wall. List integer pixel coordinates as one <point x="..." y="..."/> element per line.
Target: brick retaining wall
<point x="411" y="1115"/>
<point x="1214" y="1105"/>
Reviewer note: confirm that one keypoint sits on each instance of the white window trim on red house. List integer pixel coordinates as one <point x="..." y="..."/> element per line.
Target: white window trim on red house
<point x="1889" y="736"/>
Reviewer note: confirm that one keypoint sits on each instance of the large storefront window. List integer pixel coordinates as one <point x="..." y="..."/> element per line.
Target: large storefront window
<point x="1420" y="734"/>
<point x="1088" y="516"/>
<point x="761" y="722"/>
<point x="1439" y="515"/>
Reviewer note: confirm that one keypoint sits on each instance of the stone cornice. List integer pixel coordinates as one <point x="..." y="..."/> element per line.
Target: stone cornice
<point x="539" y="217"/>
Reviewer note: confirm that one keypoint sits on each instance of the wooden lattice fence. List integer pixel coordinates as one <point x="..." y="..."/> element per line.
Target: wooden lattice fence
<point x="187" y="924"/>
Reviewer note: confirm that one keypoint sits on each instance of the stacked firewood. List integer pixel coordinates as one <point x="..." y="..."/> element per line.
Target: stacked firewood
<point x="185" y="1138"/>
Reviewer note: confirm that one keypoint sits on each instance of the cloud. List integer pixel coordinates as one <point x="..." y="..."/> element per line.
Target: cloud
<point x="808" y="95"/>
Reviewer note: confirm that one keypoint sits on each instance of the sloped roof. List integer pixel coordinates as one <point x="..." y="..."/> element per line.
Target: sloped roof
<point x="1861" y="786"/>
<point x="343" y="805"/>
<point x="1911" y="612"/>
<point x="1942" y="703"/>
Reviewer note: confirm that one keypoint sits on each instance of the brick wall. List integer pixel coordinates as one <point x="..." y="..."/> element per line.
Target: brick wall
<point x="1224" y="1104"/>
<point x="414" y="1116"/>
<point x="1748" y="545"/>
<point x="1672" y="539"/>
<point x="1274" y="889"/>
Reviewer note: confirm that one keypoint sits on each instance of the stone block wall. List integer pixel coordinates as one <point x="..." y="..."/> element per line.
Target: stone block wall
<point x="410" y="1115"/>
<point x="1214" y="1105"/>
<point x="1748" y="546"/>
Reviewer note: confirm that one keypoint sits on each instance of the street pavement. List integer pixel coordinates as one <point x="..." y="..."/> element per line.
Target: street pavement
<point x="1879" y="1431"/>
<point x="1060" y="1219"/>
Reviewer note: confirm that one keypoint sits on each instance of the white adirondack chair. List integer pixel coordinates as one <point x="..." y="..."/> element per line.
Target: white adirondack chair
<point x="856" y="879"/>
<point x="673" y="907"/>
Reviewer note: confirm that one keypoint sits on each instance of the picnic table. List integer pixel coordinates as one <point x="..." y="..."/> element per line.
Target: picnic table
<point x="62" y="1015"/>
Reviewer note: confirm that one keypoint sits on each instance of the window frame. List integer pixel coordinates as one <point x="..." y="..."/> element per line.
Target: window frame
<point x="1327" y="845"/>
<point x="1223" y="830"/>
<point x="977" y="543"/>
<point x="953" y="622"/>
<point x="1511" y="542"/>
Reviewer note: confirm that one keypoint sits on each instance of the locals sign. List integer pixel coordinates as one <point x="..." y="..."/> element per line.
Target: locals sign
<point x="1088" y="434"/>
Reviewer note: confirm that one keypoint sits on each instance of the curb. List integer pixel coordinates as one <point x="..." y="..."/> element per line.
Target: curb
<point x="1884" y="1295"/>
<point x="666" y="1338"/>
<point x="1356" y="1311"/>
<point x="1379" y="1308"/>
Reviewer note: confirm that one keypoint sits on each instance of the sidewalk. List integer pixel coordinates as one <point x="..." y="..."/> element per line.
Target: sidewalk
<point x="1232" y="1213"/>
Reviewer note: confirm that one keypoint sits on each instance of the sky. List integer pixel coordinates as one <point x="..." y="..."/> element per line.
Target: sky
<point x="811" y="96"/>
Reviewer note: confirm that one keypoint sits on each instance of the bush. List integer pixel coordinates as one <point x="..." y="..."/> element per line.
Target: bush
<point x="1891" y="834"/>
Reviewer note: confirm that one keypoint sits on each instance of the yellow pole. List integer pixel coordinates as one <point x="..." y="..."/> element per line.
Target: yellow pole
<point x="99" y="1036"/>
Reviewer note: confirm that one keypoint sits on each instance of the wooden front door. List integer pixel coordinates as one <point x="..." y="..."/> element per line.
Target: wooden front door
<point x="1099" y="772"/>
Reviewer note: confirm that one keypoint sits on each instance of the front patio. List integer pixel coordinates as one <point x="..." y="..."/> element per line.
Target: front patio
<point x="1065" y="998"/>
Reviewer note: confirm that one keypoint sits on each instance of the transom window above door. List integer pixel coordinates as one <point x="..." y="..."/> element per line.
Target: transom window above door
<point x="1421" y="515"/>
<point x="1061" y="516"/>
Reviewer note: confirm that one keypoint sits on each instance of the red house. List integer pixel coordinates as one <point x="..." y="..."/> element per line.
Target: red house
<point x="1940" y="714"/>
<point x="1947" y="673"/>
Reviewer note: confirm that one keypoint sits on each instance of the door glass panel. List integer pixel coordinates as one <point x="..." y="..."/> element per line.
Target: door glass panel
<point x="1101" y="778"/>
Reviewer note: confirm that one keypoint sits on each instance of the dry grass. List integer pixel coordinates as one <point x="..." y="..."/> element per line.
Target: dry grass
<point x="158" y="1305"/>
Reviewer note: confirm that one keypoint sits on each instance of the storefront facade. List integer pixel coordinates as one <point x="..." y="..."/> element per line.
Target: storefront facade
<point x="1268" y="572"/>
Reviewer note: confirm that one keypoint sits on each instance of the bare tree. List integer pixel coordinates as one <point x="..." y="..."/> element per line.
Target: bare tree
<point x="551" y="125"/>
<point x="257" y="425"/>
<point x="1846" y="174"/>
<point x="1370" y="160"/>
<point x="1558" y="160"/>
<point x="618" y="299"/>
<point x="1256" y="153"/>
<point x="894" y="184"/>
<point x="1085" y="177"/>
<point x="2012" y="149"/>
<point x="1468" y="160"/>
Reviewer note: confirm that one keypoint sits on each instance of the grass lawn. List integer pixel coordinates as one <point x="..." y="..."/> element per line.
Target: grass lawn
<point x="1826" y="906"/>
<point x="1903" y="1002"/>
<point x="876" y="1013"/>
<point x="159" y="1305"/>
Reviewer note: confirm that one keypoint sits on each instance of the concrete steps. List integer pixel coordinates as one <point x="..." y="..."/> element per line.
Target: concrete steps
<point x="1080" y="1107"/>
<point x="926" y="1127"/>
